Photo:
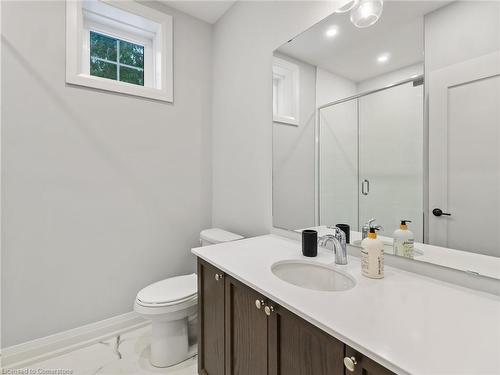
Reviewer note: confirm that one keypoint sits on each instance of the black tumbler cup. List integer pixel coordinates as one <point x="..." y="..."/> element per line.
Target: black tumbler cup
<point x="309" y="243"/>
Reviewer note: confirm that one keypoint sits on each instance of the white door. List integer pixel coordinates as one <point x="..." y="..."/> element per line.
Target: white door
<point x="464" y="155"/>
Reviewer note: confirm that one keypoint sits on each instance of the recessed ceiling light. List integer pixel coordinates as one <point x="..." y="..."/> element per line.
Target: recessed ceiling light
<point x="332" y="31"/>
<point x="383" y="58"/>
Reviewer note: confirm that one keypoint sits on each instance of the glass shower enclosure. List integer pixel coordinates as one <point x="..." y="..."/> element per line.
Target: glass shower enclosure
<point x="371" y="159"/>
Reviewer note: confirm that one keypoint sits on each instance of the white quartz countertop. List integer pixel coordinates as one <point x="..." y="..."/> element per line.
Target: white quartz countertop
<point x="409" y="323"/>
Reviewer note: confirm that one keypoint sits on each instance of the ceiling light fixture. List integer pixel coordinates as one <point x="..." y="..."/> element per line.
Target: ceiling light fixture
<point x="367" y="13"/>
<point x="383" y="58"/>
<point x="347" y="6"/>
<point x="332" y="31"/>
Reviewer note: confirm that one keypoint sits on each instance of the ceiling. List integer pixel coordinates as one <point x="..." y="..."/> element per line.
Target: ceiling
<point x="353" y="52"/>
<point x="207" y="10"/>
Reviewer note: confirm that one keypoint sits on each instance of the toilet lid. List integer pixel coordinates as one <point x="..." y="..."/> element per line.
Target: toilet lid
<point x="173" y="289"/>
<point x="216" y="235"/>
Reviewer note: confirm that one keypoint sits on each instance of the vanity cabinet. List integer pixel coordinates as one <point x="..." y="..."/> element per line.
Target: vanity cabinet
<point x="211" y="320"/>
<point x="244" y="333"/>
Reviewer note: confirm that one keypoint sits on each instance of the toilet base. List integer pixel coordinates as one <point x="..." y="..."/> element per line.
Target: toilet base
<point x="169" y="343"/>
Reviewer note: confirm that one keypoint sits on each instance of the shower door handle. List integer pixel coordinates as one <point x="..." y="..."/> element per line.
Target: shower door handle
<point x="365" y="187"/>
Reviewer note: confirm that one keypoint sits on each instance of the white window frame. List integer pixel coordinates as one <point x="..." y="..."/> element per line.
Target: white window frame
<point x="285" y="92"/>
<point x="158" y="47"/>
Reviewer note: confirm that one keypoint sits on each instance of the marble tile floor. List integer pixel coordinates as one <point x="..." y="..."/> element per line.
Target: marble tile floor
<point x="125" y="354"/>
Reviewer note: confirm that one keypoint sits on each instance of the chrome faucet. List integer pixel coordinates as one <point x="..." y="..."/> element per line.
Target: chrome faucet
<point x="338" y="244"/>
<point x="367" y="226"/>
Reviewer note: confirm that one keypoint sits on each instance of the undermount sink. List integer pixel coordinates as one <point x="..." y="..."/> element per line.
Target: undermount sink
<point x="311" y="275"/>
<point x="388" y="249"/>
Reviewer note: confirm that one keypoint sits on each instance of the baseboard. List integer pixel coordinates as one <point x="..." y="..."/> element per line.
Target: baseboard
<point x="24" y="354"/>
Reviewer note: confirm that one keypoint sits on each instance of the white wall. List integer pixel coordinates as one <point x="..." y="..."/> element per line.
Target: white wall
<point x="331" y="87"/>
<point x="293" y="157"/>
<point x="102" y="193"/>
<point x="460" y="31"/>
<point x="244" y="40"/>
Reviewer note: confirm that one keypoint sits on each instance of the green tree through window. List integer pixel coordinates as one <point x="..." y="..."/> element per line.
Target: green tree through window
<point x="116" y="59"/>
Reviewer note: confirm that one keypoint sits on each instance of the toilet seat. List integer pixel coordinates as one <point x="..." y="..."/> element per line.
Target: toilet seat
<point x="172" y="291"/>
<point x="166" y="304"/>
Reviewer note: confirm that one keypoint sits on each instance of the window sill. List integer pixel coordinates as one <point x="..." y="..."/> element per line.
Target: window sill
<point x="119" y="87"/>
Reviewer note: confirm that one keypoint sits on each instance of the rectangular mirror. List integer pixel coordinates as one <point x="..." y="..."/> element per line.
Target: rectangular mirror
<point x="396" y="121"/>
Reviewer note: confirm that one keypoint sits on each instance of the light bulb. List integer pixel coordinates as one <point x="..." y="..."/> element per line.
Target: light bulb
<point x="347" y="6"/>
<point x="366" y="13"/>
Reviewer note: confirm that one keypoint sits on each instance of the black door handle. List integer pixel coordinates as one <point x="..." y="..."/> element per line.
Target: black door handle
<point x="439" y="212"/>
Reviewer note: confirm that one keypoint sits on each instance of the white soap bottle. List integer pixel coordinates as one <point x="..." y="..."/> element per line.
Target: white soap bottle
<point x="372" y="256"/>
<point x="403" y="244"/>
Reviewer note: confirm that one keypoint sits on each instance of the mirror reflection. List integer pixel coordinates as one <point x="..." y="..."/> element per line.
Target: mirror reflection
<point x="395" y="125"/>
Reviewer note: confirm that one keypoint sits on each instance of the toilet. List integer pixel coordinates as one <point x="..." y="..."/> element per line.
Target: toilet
<point x="171" y="305"/>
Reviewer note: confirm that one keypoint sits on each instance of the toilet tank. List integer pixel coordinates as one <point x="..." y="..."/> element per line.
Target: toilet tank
<point x="216" y="235"/>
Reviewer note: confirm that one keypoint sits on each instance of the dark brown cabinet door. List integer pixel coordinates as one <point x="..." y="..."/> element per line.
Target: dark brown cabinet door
<point x="246" y="331"/>
<point x="362" y="365"/>
<point x="211" y="320"/>
<point x="296" y="347"/>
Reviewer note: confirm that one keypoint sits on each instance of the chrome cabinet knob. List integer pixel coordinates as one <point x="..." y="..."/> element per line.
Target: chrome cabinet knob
<point x="268" y="310"/>
<point x="350" y="363"/>
<point x="218" y="276"/>
<point x="259" y="303"/>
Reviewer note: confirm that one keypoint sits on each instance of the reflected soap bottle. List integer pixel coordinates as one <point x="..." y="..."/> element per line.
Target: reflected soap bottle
<point x="403" y="244"/>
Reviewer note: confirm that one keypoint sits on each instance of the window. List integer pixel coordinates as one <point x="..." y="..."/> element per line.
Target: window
<point x="285" y="92"/>
<point x="116" y="59"/>
<point x="122" y="46"/>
